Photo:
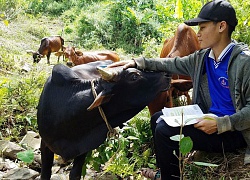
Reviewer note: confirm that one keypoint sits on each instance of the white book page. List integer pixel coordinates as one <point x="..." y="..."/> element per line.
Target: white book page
<point x="191" y="114"/>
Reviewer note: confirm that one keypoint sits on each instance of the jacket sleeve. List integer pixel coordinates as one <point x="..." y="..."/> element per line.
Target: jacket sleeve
<point x="240" y="120"/>
<point x="241" y="96"/>
<point x="177" y="65"/>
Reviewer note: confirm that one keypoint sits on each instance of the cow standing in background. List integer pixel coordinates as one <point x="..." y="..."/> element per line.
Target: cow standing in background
<point x="183" y="43"/>
<point x="77" y="57"/>
<point x="47" y="46"/>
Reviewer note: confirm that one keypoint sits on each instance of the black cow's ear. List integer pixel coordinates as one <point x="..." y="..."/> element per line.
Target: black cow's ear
<point x="104" y="96"/>
<point x="99" y="100"/>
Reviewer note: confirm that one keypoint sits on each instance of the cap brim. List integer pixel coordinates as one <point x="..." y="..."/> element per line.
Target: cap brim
<point x="195" y="21"/>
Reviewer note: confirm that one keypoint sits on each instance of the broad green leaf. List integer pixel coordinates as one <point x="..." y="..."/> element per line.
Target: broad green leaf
<point x="205" y="164"/>
<point x="26" y="156"/>
<point x="186" y="145"/>
<point x="152" y="166"/>
<point x="177" y="137"/>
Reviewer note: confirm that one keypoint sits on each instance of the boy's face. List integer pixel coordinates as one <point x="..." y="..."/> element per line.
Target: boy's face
<point x="208" y="34"/>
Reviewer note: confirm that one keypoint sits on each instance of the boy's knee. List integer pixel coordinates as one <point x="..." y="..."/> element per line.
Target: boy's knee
<point x="156" y="116"/>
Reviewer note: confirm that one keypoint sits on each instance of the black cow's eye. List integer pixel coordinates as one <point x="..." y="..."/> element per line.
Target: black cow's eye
<point x="134" y="76"/>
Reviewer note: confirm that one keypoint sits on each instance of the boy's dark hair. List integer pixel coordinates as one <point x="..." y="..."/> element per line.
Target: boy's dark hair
<point x="230" y="28"/>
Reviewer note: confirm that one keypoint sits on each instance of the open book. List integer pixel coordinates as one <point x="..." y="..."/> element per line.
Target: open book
<point x="173" y="116"/>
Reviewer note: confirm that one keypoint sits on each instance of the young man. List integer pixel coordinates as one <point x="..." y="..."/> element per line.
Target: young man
<point x="220" y="72"/>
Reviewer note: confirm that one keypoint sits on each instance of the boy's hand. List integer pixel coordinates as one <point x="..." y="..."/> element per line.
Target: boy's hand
<point x="125" y="64"/>
<point x="207" y="124"/>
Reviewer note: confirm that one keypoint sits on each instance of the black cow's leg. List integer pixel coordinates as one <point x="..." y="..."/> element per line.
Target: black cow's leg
<point x="76" y="171"/>
<point x="47" y="161"/>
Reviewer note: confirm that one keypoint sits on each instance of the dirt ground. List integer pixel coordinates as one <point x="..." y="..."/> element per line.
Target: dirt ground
<point x="231" y="165"/>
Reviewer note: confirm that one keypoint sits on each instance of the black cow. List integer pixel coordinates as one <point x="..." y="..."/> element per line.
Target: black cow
<point x="69" y="123"/>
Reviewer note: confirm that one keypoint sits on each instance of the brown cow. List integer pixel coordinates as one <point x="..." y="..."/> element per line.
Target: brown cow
<point x="47" y="46"/>
<point x="183" y="43"/>
<point x="77" y="57"/>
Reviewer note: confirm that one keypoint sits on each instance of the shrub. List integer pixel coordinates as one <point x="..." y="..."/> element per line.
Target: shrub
<point x="127" y="154"/>
<point x="19" y="97"/>
<point x="131" y="24"/>
<point x="11" y="8"/>
<point x="242" y="33"/>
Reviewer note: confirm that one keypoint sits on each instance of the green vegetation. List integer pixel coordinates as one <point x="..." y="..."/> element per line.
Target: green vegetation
<point x="26" y="156"/>
<point x="130" y="27"/>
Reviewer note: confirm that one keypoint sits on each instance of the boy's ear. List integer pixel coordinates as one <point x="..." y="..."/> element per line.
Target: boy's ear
<point x="223" y="25"/>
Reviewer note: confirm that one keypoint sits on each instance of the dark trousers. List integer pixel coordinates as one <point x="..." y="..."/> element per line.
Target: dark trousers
<point x="164" y="146"/>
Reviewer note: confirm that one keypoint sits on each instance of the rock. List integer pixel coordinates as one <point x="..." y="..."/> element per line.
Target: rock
<point x="1" y="175"/>
<point x="21" y="173"/>
<point x="31" y="140"/>
<point x="59" y="177"/>
<point x="26" y="67"/>
<point x="56" y="177"/>
<point x="10" y="149"/>
<point x="55" y="169"/>
<point x="37" y="158"/>
<point x="6" y="164"/>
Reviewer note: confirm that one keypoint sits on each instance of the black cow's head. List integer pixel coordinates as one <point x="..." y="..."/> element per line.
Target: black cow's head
<point x="132" y="87"/>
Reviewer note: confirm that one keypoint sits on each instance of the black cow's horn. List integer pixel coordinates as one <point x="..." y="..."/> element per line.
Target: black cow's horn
<point x="110" y="74"/>
<point x="106" y="73"/>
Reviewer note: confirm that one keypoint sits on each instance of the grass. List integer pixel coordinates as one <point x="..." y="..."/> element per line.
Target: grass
<point x="25" y="34"/>
<point x="230" y="166"/>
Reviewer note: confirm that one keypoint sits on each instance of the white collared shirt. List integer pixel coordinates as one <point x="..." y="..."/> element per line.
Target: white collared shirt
<point x="222" y="54"/>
